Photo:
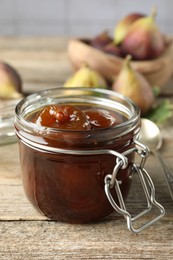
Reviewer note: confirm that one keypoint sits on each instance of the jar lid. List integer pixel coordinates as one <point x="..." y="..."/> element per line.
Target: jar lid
<point x="7" y="111"/>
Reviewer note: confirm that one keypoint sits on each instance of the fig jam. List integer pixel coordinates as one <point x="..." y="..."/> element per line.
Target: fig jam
<point x="55" y="129"/>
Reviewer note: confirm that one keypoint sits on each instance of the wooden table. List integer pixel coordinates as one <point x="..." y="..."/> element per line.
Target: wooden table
<point x="24" y="233"/>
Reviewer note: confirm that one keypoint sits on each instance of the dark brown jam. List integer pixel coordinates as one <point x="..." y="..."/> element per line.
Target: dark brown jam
<point x="70" y="187"/>
<point x="69" y="117"/>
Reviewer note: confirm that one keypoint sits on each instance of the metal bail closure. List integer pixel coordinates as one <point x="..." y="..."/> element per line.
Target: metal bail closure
<point x="147" y="185"/>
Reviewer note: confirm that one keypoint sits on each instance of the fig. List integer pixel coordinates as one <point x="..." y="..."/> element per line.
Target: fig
<point x="101" y="40"/>
<point x="123" y="26"/>
<point x="111" y="48"/>
<point x="134" y="85"/>
<point x="86" y="77"/>
<point x="10" y="82"/>
<point x="144" y="41"/>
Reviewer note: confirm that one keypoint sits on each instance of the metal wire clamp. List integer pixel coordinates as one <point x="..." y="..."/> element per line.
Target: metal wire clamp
<point x="147" y="185"/>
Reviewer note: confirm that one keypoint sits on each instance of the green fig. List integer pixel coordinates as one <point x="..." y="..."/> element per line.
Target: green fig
<point x="123" y="26"/>
<point x="144" y="40"/>
<point x="10" y="82"/>
<point x="86" y="77"/>
<point x="134" y="85"/>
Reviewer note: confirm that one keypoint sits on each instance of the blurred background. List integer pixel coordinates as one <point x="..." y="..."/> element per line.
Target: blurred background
<point x="74" y="17"/>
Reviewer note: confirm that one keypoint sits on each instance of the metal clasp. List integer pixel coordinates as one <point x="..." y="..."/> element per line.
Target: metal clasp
<point x="147" y="185"/>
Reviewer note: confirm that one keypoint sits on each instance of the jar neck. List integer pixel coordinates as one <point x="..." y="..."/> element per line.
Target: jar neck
<point x="96" y="98"/>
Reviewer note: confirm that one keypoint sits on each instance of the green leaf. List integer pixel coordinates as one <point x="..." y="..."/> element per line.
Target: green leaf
<point x="161" y="112"/>
<point x="156" y="91"/>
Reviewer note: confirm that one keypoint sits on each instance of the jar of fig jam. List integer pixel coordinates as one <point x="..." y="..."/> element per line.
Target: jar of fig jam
<point x="77" y="152"/>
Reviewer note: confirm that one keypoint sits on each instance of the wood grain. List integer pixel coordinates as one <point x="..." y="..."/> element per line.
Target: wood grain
<point x="25" y="234"/>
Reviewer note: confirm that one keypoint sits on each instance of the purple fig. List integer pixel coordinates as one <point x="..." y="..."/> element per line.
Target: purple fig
<point x="10" y="82"/>
<point x="123" y="26"/>
<point x="101" y="40"/>
<point x="111" y="48"/>
<point x="144" y="41"/>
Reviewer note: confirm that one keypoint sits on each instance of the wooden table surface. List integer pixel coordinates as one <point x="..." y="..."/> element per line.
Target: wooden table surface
<point x="24" y="233"/>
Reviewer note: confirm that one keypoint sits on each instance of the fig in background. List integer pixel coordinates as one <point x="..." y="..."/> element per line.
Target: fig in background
<point x="134" y="85"/>
<point x="10" y="82"/>
<point x="86" y="77"/>
<point x="112" y="49"/>
<point x="123" y="26"/>
<point x="101" y="40"/>
<point x="144" y="40"/>
<point x="105" y="43"/>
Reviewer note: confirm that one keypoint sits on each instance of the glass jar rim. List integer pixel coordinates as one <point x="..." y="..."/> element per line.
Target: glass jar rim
<point x="61" y="94"/>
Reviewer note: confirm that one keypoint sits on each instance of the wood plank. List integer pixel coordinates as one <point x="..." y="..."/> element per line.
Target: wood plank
<point x="49" y="240"/>
<point x="38" y="60"/>
<point x="36" y="43"/>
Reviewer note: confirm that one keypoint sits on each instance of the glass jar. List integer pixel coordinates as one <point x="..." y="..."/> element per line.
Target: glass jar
<point x="80" y="176"/>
